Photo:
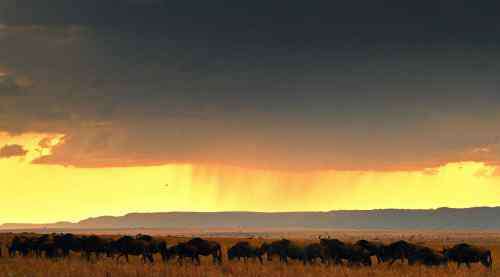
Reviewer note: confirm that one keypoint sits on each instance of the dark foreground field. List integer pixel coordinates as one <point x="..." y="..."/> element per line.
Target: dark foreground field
<point x="76" y="266"/>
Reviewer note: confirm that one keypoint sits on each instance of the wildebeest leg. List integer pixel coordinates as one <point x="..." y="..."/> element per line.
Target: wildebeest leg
<point x="392" y="261"/>
<point x="260" y="260"/>
<point x="150" y="258"/>
<point x="467" y="264"/>
<point x="197" y="258"/>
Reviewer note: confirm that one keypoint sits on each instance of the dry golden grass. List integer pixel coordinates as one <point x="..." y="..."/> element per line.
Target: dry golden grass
<point x="75" y="266"/>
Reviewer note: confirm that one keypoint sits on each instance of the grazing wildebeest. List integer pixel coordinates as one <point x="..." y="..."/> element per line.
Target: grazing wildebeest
<point x="36" y="245"/>
<point x="244" y="250"/>
<point x="21" y="245"/>
<point x="128" y="245"/>
<point x="206" y="248"/>
<point x="295" y="252"/>
<point x="399" y="250"/>
<point x="426" y="256"/>
<point x="373" y="248"/>
<point x="66" y="243"/>
<point x="332" y="247"/>
<point x="467" y="254"/>
<point x="183" y="250"/>
<point x="46" y="245"/>
<point x="156" y="246"/>
<point x="284" y="249"/>
<point x="314" y="251"/>
<point x="95" y="245"/>
<point x="278" y="248"/>
<point x="337" y="251"/>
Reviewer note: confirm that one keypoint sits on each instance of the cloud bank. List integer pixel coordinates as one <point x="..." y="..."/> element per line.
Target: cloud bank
<point x="12" y="150"/>
<point x="292" y="87"/>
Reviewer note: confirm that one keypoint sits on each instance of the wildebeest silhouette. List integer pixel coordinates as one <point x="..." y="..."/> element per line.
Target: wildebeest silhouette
<point x="276" y="248"/>
<point x="287" y="249"/>
<point x="314" y="251"/>
<point x="45" y="245"/>
<point x="295" y="252"/>
<point x="183" y="250"/>
<point x="206" y="248"/>
<point x="35" y="245"/>
<point x="155" y="245"/>
<point x="21" y="245"/>
<point x="337" y="251"/>
<point x="244" y="250"/>
<point x="373" y="248"/>
<point x="128" y="245"/>
<point x="66" y="243"/>
<point x="97" y="246"/>
<point x="426" y="256"/>
<point x="467" y="254"/>
<point x="399" y="250"/>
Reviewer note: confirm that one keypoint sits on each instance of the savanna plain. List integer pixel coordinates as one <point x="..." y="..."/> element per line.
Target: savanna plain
<point x="76" y="266"/>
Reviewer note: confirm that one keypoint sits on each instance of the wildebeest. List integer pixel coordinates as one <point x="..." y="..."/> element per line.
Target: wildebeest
<point x="373" y="248"/>
<point x="314" y="251"/>
<point x="206" y="248"/>
<point x="183" y="250"/>
<point x="36" y="245"/>
<point x="156" y="246"/>
<point x="45" y="245"/>
<point x="285" y="249"/>
<point x="245" y="250"/>
<point x="426" y="256"/>
<point x="96" y="245"/>
<point x="399" y="250"/>
<point x="276" y="248"/>
<point x="66" y="243"/>
<point x="467" y="254"/>
<point x="336" y="251"/>
<point x="128" y="245"/>
<point x="20" y="245"/>
<point x="295" y="252"/>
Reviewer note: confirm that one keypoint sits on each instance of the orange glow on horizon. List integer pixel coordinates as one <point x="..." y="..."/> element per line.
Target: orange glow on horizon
<point x="47" y="193"/>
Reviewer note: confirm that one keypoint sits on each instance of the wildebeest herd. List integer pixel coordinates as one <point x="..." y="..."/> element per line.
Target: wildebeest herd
<point x="327" y="251"/>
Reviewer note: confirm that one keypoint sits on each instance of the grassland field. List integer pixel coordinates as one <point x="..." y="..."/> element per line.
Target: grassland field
<point x="76" y="266"/>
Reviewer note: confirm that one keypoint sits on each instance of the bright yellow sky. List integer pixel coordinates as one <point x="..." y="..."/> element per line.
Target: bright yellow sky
<point x="46" y="193"/>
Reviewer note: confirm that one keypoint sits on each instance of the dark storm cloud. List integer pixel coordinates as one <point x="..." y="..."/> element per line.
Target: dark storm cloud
<point x="283" y="84"/>
<point x="12" y="150"/>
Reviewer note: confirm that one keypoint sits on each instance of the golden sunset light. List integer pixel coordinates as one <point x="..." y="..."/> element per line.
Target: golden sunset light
<point x="67" y="193"/>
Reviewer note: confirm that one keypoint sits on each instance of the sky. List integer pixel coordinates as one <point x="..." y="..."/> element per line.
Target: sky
<point x="261" y="106"/>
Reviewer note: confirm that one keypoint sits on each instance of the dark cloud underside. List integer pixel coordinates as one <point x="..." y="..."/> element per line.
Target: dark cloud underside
<point x="337" y="84"/>
<point x="12" y="150"/>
